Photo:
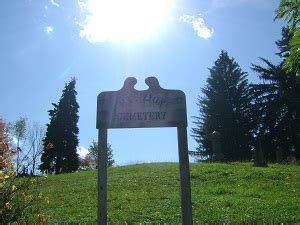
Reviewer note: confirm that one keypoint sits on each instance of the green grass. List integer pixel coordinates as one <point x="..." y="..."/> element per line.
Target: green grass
<point x="149" y="193"/>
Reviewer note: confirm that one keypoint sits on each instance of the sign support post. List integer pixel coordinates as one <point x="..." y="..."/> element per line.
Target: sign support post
<point x="102" y="176"/>
<point x="185" y="184"/>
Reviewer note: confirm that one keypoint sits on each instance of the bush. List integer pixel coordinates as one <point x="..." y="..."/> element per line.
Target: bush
<point x="18" y="195"/>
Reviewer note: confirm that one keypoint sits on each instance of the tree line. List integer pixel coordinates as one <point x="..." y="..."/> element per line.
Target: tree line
<point x="245" y="114"/>
<point x="52" y="150"/>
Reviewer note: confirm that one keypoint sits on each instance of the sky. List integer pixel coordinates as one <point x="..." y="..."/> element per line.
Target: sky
<point x="102" y="42"/>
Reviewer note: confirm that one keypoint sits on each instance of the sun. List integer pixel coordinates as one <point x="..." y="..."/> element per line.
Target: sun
<point x="123" y="20"/>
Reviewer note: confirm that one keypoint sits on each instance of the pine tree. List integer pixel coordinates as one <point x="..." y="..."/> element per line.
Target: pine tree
<point x="224" y="107"/>
<point x="61" y="141"/>
<point x="277" y="103"/>
<point x="93" y="153"/>
<point x="50" y="140"/>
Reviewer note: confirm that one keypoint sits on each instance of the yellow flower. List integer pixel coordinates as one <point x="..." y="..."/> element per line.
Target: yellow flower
<point x="33" y="181"/>
<point x="40" y="196"/>
<point x="8" y="205"/>
<point x="41" y="219"/>
<point x="11" y="174"/>
<point x="3" y="175"/>
<point x="47" y="200"/>
<point x="13" y="188"/>
<point x="28" y="198"/>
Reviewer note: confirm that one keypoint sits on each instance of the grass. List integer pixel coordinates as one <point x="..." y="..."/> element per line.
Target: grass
<point x="149" y="193"/>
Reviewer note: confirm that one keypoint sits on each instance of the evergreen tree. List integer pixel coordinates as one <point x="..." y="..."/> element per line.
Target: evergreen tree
<point x="61" y="141"/>
<point x="93" y="153"/>
<point x="277" y="102"/>
<point x="224" y="107"/>
<point x="49" y="153"/>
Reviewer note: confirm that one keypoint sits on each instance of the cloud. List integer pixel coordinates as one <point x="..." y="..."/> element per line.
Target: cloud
<point x="198" y="25"/>
<point x="54" y="3"/>
<point x="49" y="29"/>
<point x="82" y="151"/>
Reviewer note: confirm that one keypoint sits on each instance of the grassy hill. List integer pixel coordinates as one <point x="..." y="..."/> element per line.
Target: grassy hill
<point x="149" y="193"/>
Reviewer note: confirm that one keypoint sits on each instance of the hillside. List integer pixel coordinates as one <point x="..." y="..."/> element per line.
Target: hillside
<point x="235" y="192"/>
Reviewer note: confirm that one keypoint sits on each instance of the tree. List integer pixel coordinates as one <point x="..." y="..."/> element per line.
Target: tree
<point x="49" y="153"/>
<point x="224" y="107"/>
<point x="86" y="162"/>
<point x="19" y="131"/>
<point x="27" y="140"/>
<point x="289" y="10"/>
<point x="93" y="153"/>
<point x="277" y="102"/>
<point x="19" y="197"/>
<point x="35" y="141"/>
<point x="5" y="153"/>
<point x="61" y="140"/>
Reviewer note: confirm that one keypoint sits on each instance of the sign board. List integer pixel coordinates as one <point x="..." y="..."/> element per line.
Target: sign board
<point x="130" y="108"/>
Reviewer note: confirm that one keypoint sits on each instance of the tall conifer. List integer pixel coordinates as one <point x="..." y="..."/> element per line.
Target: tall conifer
<point x="61" y="141"/>
<point x="277" y="103"/>
<point x="224" y="107"/>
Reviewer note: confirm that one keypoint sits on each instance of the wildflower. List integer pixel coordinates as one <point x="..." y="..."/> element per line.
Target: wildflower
<point x="40" y="196"/>
<point x="28" y="198"/>
<point x="11" y="174"/>
<point x="8" y="205"/>
<point x="13" y="188"/>
<point x="47" y="200"/>
<point x="41" y="219"/>
<point x="3" y="176"/>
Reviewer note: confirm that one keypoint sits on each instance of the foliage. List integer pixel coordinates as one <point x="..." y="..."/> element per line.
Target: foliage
<point x="234" y="193"/>
<point x="59" y="153"/>
<point x="277" y="102"/>
<point x="289" y="10"/>
<point x="224" y="107"/>
<point x="86" y="163"/>
<point x="18" y="196"/>
<point x="26" y="138"/>
<point x="93" y="153"/>
<point x="36" y="134"/>
<point x="18" y="131"/>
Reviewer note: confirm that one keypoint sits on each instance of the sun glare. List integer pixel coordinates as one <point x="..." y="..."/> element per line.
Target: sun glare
<point x="123" y="20"/>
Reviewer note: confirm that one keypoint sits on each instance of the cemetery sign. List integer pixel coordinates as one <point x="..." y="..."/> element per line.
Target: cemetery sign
<point x="131" y="108"/>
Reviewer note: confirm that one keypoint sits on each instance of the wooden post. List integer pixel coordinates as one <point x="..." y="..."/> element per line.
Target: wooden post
<point x="102" y="176"/>
<point x="186" y="203"/>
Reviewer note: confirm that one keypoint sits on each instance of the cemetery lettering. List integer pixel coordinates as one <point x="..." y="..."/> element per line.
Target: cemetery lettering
<point x="141" y="116"/>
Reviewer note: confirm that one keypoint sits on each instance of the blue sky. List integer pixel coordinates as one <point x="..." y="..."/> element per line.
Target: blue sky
<point x="45" y="42"/>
